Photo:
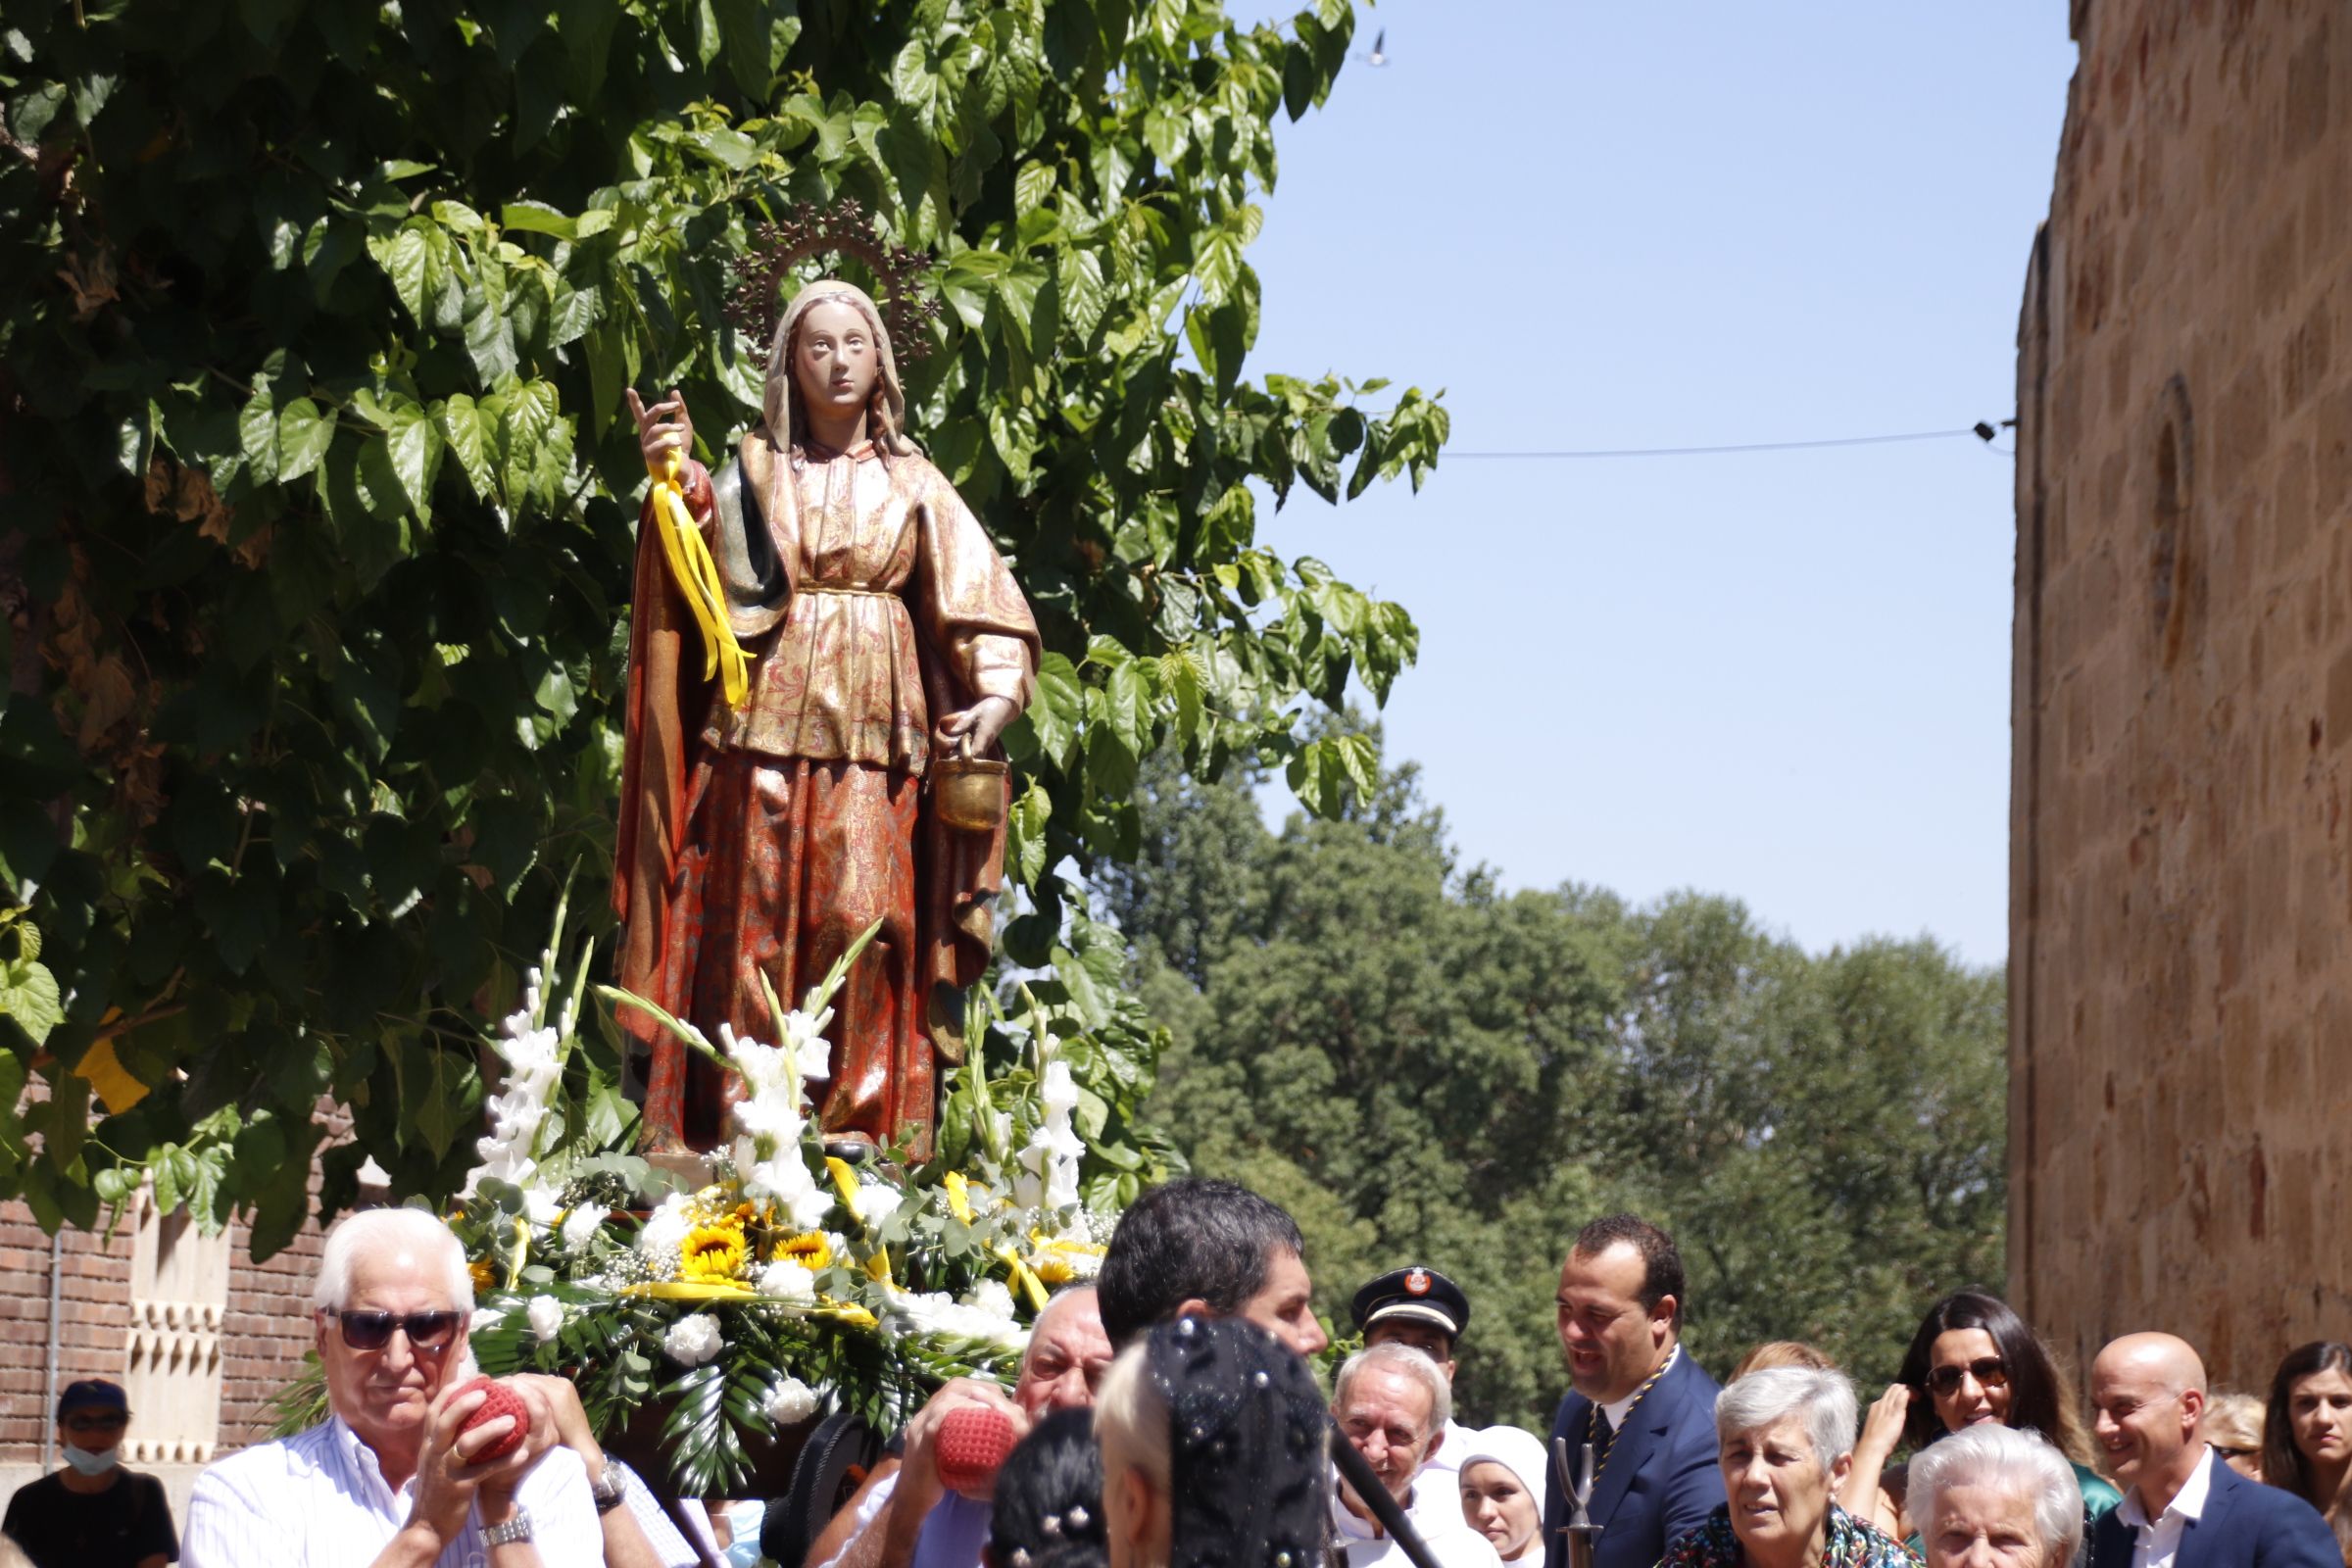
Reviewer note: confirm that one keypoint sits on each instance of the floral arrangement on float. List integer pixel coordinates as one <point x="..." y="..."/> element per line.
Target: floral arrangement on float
<point x="701" y="1322"/>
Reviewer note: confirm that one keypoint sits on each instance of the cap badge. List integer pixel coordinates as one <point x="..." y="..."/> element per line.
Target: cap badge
<point x="1416" y="1282"/>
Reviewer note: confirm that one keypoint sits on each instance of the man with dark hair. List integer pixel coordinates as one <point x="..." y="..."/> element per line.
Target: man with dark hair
<point x="1199" y="1247"/>
<point x="1645" y="1409"/>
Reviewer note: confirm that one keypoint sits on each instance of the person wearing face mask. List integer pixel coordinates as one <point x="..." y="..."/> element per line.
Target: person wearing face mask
<point x="94" y="1513"/>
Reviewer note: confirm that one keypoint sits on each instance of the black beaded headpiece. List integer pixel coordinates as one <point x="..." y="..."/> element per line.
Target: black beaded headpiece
<point x="1246" y="1450"/>
<point x="1047" y="1509"/>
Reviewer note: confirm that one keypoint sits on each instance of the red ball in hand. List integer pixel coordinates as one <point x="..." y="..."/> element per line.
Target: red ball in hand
<point x="499" y="1399"/>
<point x="970" y="1447"/>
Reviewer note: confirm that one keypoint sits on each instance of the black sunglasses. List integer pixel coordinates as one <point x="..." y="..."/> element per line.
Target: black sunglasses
<point x="373" y="1331"/>
<point x="1989" y="1373"/>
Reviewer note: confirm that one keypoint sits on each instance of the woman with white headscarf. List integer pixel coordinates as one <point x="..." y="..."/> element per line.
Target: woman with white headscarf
<point x="1502" y="1481"/>
<point x="884" y="633"/>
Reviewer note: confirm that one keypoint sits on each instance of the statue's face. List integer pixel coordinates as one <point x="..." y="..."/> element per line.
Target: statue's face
<point x="835" y="359"/>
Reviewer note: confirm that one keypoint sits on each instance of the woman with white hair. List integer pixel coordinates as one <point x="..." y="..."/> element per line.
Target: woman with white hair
<point x="1215" y="1451"/>
<point x="1501" y="1480"/>
<point x="1996" y="1497"/>
<point x="1787" y="1440"/>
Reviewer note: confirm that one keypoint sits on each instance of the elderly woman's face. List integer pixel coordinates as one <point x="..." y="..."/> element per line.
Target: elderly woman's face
<point x="1984" y="1527"/>
<point x="1778" y="1488"/>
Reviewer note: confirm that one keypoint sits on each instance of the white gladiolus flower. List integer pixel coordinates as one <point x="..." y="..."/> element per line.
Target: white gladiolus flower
<point x="547" y="1317"/>
<point x="534" y="1060"/>
<point x="789" y="1401"/>
<point x="692" y="1341"/>
<point x="787" y="1280"/>
<point x="582" y="1223"/>
<point x="770" y="1119"/>
<point x="1048" y="1163"/>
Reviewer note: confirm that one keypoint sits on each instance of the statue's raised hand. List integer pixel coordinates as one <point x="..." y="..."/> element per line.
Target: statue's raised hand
<point x="662" y="429"/>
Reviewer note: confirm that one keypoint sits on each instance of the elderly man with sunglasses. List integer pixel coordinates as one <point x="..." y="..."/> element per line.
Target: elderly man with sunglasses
<point x="390" y="1479"/>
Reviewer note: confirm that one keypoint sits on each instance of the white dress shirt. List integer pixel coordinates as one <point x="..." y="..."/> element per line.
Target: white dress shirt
<point x="1449" y="1539"/>
<point x="1618" y="1409"/>
<point x="318" y="1499"/>
<point x="2157" y="1542"/>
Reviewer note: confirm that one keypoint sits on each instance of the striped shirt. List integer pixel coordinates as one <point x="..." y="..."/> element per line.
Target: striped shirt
<point x="318" y="1499"/>
<point x="645" y="1509"/>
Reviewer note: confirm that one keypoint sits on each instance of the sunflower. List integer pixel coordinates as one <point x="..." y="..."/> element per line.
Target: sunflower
<point x="713" y="1252"/>
<point x="484" y="1275"/>
<point x="810" y="1249"/>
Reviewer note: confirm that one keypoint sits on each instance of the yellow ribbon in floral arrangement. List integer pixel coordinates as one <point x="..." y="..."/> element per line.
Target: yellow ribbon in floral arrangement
<point x="697" y="576"/>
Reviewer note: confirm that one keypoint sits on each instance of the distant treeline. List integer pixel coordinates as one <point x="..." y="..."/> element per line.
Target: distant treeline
<point x="1424" y="1068"/>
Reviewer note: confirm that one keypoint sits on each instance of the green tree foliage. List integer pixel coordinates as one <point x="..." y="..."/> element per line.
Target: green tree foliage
<point x="1425" y="1068"/>
<point x="315" y="320"/>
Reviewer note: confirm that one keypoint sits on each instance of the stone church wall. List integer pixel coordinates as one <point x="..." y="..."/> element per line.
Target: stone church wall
<point x="2180" y="924"/>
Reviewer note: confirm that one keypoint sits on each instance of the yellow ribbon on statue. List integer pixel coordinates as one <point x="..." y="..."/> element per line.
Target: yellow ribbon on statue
<point x="696" y="577"/>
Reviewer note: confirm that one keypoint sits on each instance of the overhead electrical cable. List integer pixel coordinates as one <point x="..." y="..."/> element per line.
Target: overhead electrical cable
<point x="1982" y="432"/>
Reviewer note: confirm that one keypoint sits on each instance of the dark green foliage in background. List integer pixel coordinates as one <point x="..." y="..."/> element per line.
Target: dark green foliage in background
<point x="315" y="320"/>
<point x="1425" y="1068"/>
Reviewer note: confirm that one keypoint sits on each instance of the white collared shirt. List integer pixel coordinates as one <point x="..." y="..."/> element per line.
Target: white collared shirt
<point x="1450" y="1540"/>
<point x="2157" y="1543"/>
<point x="1618" y="1409"/>
<point x="318" y="1499"/>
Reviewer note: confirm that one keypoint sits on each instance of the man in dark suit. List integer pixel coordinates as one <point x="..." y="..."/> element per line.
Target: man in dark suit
<point x="2183" y="1507"/>
<point x="1644" y="1406"/>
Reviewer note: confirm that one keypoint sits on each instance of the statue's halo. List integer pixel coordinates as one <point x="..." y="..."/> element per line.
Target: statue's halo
<point x="844" y="228"/>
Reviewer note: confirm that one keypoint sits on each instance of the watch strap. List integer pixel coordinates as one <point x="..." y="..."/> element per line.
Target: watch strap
<point x="613" y="1488"/>
<point x="507" y="1532"/>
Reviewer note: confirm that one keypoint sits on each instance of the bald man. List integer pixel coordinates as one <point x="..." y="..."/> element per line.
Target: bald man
<point x="2183" y="1507"/>
<point x="908" y="1518"/>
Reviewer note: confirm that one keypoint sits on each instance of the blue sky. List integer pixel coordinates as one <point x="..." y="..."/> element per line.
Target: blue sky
<point x="1782" y="676"/>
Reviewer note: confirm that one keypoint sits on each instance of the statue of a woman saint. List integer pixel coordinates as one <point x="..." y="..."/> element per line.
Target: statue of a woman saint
<point x="884" y="635"/>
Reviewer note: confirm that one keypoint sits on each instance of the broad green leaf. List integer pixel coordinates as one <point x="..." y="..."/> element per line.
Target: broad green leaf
<point x="304" y="435"/>
<point x="30" y="998"/>
<point x="538" y="217"/>
<point x="461" y="429"/>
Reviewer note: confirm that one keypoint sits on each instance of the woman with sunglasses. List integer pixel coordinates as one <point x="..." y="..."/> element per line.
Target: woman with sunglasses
<point x="1973" y="1360"/>
<point x="2307" y="1433"/>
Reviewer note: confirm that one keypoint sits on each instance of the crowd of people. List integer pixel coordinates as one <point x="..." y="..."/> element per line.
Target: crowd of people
<point x="1166" y="1417"/>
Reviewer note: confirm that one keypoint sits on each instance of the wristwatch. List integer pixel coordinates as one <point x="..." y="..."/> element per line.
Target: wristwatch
<point x="611" y="1488"/>
<point x="506" y="1533"/>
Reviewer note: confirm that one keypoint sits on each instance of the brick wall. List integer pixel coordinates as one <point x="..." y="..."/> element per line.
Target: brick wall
<point x="2180" y="925"/>
<point x="266" y="1329"/>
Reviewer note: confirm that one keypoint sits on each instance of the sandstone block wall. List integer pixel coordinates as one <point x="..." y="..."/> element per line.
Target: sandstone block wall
<point x="2180" y="924"/>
